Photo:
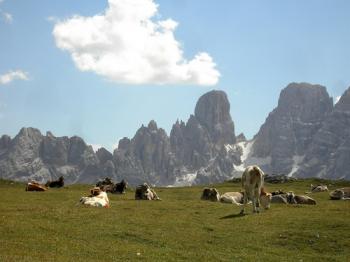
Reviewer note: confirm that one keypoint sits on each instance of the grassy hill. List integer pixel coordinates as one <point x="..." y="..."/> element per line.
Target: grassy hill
<point x="49" y="226"/>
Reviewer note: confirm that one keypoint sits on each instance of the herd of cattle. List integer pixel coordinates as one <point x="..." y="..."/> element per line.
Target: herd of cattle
<point x="252" y="184"/>
<point x="254" y="193"/>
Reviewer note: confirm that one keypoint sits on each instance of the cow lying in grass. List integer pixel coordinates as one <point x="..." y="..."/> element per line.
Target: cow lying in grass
<point x="291" y="198"/>
<point x="34" y="186"/>
<point x="318" y="188"/>
<point x="106" y="181"/>
<point x="120" y="187"/>
<point x="252" y="184"/>
<point x="279" y="199"/>
<point x="232" y="198"/>
<point x="211" y="194"/>
<point x="340" y="194"/>
<point x="299" y="199"/>
<point x="58" y="183"/>
<point x="98" y="198"/>
<point x="237" y="198"/>
<point x="108" y="186"/>
<point x="145" y="192"/>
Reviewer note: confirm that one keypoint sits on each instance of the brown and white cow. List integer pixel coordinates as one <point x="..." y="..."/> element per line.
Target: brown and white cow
<point x="211" y="194"/>
<point x="252" y="184"/>
<point x="145" y="192"/>
<point x="340" y="194"/>
<point x="35" y="186"/>
<point x="98" y="198"/>
<point x="318" y="188"/>
<point x="299" y="199"/>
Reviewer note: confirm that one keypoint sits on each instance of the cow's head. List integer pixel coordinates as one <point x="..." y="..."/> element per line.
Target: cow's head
<point x="265" y="199"/>
<point x="291" y="197"/>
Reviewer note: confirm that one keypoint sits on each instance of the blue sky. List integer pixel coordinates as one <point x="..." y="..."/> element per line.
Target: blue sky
<point x="258" y="48"/>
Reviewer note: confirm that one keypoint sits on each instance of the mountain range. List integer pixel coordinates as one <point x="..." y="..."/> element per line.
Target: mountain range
<point x="304" y="136"/>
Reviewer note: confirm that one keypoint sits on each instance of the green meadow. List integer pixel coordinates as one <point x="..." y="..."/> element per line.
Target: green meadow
<point x="50" y="226"/>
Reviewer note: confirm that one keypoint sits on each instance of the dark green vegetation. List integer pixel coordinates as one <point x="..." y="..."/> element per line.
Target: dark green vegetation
<point x="48" y="226"/>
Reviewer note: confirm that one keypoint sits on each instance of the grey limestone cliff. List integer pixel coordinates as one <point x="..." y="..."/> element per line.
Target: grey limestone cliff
<point x="290" y="127"/>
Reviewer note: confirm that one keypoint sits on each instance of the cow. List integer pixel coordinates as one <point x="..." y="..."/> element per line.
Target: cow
<point x="304" y="200"/>
<point x="211" y="194"/>
<point x="35" y="186"/>
<point x="265" y="198"/>
<point x="58" y="183"/>
<point x="98" y="198"/>
<point x="108" y="186"/>
<point x="340" y="194"/>
<point x="299" y="199"/>
<point x="232" y="198"/>
<point x="278" y="192"/>
<point x="120" y="187"/>
<point x="238" y="197"/>
<point x="145" y="192"/>
<point x="318" y="188"/>
<point x="279" y="199"/>
<point x="252" y="184"/>
<point x="106" y="181"/>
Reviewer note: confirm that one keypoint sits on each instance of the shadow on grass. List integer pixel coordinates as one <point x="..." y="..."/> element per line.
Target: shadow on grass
<point x="233" y="216"/>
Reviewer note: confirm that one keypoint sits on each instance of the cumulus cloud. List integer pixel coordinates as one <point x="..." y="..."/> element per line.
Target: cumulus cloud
<point x="13" y="75"/>
<point x="126" y="44"/>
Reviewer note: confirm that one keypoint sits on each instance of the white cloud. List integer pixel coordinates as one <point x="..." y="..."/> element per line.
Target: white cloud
<point x="13" y="75"/>
<point x="126" y="44"/>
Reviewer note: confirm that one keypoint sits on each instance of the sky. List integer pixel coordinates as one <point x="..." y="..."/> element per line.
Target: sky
<point x="101" y="69"/>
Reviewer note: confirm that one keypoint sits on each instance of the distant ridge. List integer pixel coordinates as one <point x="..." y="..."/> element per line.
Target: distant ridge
<point x="304" y="136"/>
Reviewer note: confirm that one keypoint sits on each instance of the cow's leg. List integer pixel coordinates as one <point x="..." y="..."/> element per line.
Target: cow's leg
<point x="245" y="201"/>
<point x="256" y="200"/>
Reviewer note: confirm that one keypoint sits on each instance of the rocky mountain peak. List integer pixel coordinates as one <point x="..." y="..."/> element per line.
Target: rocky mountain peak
<point x="49" y="134"/>
<point x="213" y="112"/>
<point x="344" y="102"/>
<point x="124" y="143"/>
<point x="104" y="155"/>
<point x="152" y="125"/>
<point x="305" y="101"/>
<point x="5" y="142"/>
<point x="289" y="128"/>
<point x="329" y="152"/>
<point x="241" y="138"/>
<point x="29" y="133"/>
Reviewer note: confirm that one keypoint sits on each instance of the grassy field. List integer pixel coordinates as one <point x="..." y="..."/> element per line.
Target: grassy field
<point x="49" y="226"/>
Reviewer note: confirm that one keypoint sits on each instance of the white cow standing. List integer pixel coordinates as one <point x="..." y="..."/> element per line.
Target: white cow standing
<point x="252" y="183"/>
